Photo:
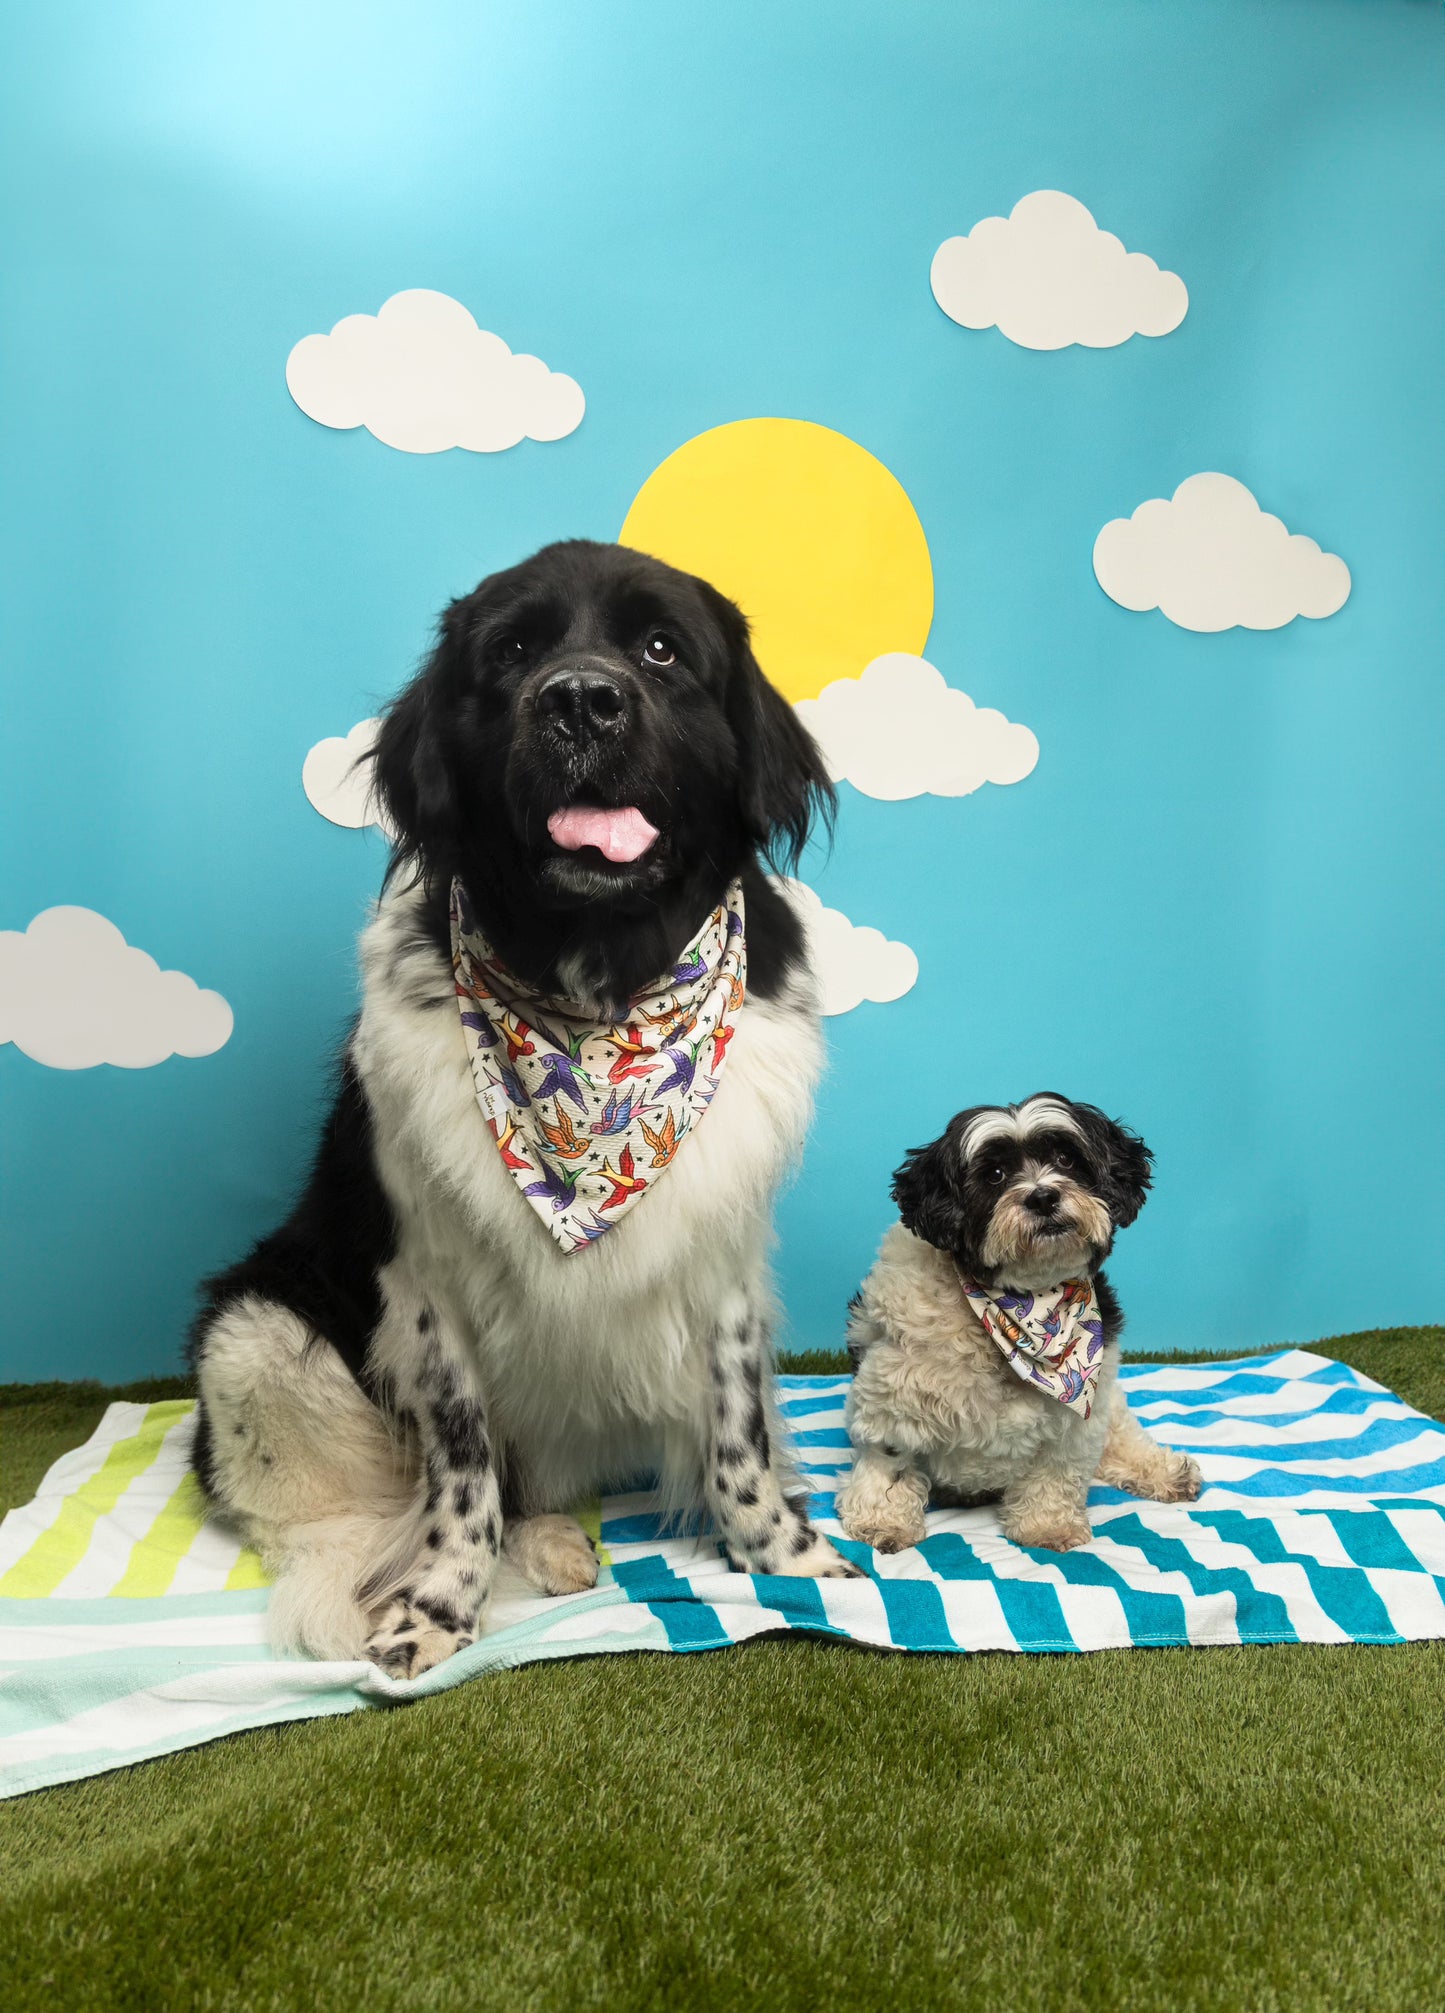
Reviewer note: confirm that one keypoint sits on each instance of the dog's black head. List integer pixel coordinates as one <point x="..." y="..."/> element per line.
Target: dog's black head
<point x="1028" y="1194"/>
<point x="594" y="750"/>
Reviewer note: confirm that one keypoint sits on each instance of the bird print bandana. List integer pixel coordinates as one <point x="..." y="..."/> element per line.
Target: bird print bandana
<point x="587" y="1117"/>
<point x="1053" y="1340"/>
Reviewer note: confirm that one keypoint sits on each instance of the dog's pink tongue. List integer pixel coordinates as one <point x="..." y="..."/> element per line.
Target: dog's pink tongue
<point x="620" y="835"/>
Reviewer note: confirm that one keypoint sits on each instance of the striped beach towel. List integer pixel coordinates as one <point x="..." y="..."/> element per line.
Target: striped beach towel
<point x="130" y="1627"/>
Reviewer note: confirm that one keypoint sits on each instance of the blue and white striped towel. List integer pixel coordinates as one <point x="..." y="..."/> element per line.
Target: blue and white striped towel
<point x="129" y="1627"/>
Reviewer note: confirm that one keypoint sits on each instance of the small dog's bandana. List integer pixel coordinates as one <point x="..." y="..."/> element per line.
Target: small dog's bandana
<point x="1054" y="1340"/>
<point x="587" y="1117"/>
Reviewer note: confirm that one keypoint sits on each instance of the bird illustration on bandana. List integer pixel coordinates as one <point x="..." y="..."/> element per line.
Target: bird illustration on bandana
<point x="629" y="1048"/>
<point x="518" y="1037"/>
<point x="560" y="1079"/>
<point x="577" y="1109"/>
<point x="664" y="1144"/>
<point x="616" y="1115"/>
<point x="1053" y="1340"/>
<point x="561" y="1138"/>
<point x="554" y="1188"/>
<point x="626" y="1181"/>
<point x="504" y="1139"/>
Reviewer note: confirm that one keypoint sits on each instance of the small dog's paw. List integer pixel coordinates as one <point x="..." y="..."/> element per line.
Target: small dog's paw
<point x="554" y="1553"/>
<point x="892" y="1537"/>
<point x="405" y="1641"/>
<point x="1050" y="1533"/>
<point x="1182" y="1480"/>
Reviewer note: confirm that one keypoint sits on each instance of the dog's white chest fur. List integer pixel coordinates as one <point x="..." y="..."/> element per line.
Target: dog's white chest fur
<point x="588" y="1357"/>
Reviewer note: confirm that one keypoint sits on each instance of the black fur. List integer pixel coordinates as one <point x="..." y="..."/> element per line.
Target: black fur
<point x="323" y="1261"/>
<point x="470" y="770"/>
<point x="948" y="1200"/>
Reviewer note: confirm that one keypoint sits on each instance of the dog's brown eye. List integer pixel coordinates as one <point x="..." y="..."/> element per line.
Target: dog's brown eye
<point x="994" y="1173"/>
<point x="1065" y="1160"/>
<point x="510" y="650"/>
<point x="659" y="651"/>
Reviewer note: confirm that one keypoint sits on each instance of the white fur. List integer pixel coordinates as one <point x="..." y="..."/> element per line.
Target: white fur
<point x="1024" y="1121"/>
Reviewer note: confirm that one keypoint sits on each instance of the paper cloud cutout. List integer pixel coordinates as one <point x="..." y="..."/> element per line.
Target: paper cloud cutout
<point x="901" y="731"/>
<point x="852" y="962"/>
<point x="1046" y="276"/>
<point x="1209" y="558"/>
<point x="74" y="993"/>
<point x="422" y="376"/>
<point x="338" y="779"/>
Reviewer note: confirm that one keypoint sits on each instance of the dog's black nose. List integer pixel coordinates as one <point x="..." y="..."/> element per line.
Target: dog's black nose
<point x="1042" y="1201"/>
<point x="582" y="704"/>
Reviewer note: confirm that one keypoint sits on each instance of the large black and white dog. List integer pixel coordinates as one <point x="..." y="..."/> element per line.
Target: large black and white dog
<point x="408" y="1377"/>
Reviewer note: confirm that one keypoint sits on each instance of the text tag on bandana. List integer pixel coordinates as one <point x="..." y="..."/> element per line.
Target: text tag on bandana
<point x="586" y="1117"/>
<point x="1054" y="1340"/>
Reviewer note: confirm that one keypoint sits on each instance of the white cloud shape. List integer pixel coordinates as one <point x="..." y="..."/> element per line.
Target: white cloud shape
<point x="337" y="778"/>
<point x="853" y="963"/>
<point x="1047" y="276"/>
<point x="422" y="376"/>
<point x="1209" y="558"/>
<point x="74" y="993"/>
<point x="901" y="731"/>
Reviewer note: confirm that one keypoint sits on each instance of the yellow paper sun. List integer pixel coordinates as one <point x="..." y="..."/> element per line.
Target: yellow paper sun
<point x="811" y="535"/>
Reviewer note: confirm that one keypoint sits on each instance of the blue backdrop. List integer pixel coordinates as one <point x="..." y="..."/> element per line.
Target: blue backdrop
<point x="1214" y="907"/>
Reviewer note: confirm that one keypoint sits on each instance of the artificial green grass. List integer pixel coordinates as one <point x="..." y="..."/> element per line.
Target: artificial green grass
<point x="786" y="1825"/>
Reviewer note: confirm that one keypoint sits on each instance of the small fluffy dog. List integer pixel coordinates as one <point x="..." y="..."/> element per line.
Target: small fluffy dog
<point x="985" y="1339"/>
<point x="531" y="1260"/>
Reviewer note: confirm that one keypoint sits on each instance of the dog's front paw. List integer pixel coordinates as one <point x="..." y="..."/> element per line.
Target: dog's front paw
<point x="890" y="1536"/>
<point x="406" y="1640"/>
<point x="553" y="1552"/>
<point x="1181" y="1482"/>
<point x="825" y="1562"/>
<point x="1048" y="1531"/>
<point x="806" y="1555"/>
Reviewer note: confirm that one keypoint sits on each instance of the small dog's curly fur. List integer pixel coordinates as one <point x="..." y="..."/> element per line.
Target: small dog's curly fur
<point x="1019" y="1196"/>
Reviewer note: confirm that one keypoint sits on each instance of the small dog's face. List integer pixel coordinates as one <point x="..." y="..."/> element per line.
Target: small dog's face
<point x="1025" y="1195"/>
<point x="592" y="732"/>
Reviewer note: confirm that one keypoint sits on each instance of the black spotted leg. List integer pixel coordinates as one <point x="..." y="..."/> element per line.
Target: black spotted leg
<point x="762" y="1530"/>
<point x="436" y="1607"/>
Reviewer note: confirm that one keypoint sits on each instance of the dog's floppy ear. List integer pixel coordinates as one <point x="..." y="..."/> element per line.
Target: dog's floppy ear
<point x="925" y="1188"/>
<point x="783" y="785"/>
<point x="1123" y="1160"/>
<point x="413" y="777"/>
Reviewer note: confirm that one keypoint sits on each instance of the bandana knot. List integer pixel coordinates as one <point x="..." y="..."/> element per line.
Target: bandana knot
<point x="1053" y="1340"/>
<point x="587" y="1116"/>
